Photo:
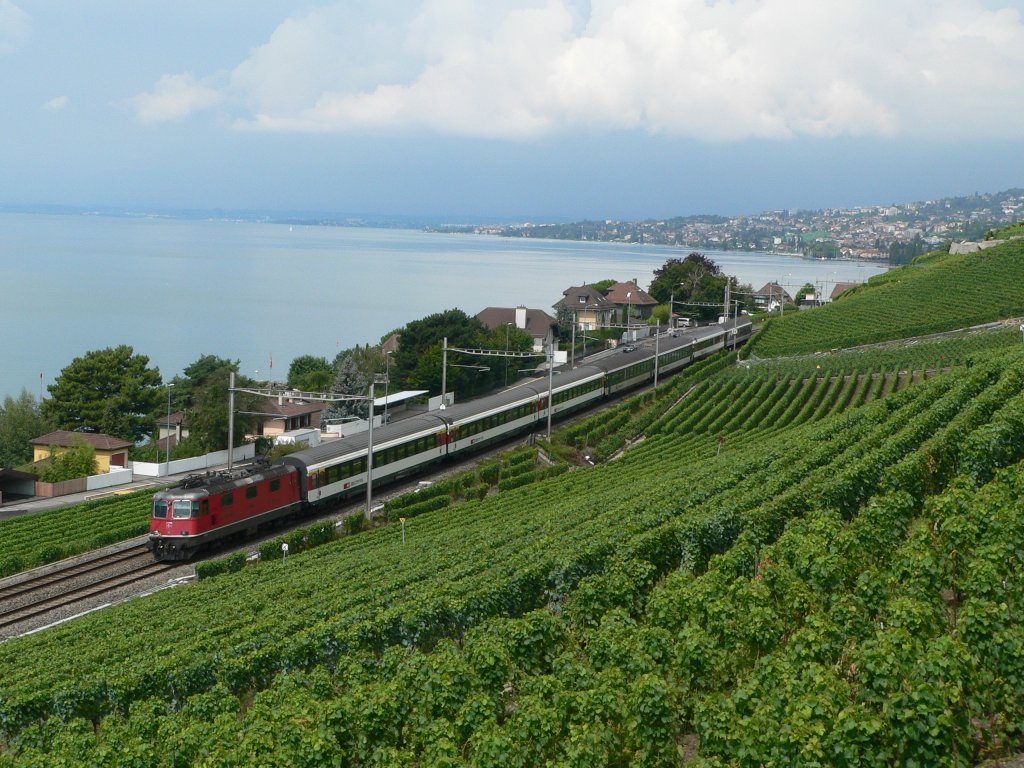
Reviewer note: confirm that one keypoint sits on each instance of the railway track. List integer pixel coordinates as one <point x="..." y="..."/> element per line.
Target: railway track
<point x="68" y="589"/>
<point x="77" y="583"/>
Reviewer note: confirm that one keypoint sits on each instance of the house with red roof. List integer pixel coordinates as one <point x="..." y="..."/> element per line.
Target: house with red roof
<point x="630" y="300"/>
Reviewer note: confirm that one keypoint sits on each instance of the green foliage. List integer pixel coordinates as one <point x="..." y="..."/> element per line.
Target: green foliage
<point x="21" y="420"/>
<point x="903" y="252"/>
<point x="186" y="449"/>
<point x="695" y="279"/>
<point x="111" y="391"/>
<point x="298" y="540"/>
<point x="805" y="290"/>
<point x="197" y="374"/>
<point x="310" y="374"/>
<point x="208" y="416"/>
<point x="1015" y="230"/>
<point x="33" y="540"/>
<point x="940" y="292"/>
<point x="822" y="250"/>
<point x="77" y="460"/>
<point x="349" y="379"/>
<point x="230" y="564"/>
<point x="354" y="523"/>
<point x="203" y="394"/>
<point x="283" y="449"/>
<point x="418" y="360"/>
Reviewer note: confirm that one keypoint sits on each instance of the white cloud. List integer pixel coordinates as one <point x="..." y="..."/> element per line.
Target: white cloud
<point x="15" y="27"/>
<point x="56" y="104"/>
<point x="174" y="97"/>
<point x="716" y="71"/>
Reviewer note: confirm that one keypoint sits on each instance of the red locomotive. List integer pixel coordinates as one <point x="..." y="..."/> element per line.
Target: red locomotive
<point x="207" y="508"/>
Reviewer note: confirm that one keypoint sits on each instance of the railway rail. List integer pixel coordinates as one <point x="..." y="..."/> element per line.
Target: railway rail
<point x="74" y="584"/>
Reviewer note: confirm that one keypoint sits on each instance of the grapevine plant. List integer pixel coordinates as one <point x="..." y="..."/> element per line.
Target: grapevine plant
<point x="843" y="591"/>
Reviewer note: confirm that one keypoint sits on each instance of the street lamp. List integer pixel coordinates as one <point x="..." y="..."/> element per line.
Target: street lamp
<point x="629" y="307"/>
<point x="551" y="373"/>
<point x="444" y="371"/>
<point x="507" y="326"/>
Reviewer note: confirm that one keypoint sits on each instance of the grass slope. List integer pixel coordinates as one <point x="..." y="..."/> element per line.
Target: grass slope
<point x="937" y="292"/>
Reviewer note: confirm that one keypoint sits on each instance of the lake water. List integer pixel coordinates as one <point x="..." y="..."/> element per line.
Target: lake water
<point x="176" y="289"/>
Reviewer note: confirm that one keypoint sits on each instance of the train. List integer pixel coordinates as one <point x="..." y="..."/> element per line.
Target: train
<point x="205" y="509"/>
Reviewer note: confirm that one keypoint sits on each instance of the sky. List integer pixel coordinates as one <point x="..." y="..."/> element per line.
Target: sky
<point x="508" y="110"/>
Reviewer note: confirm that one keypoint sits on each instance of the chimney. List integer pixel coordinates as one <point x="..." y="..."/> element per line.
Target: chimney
<point x="521" y="317"/>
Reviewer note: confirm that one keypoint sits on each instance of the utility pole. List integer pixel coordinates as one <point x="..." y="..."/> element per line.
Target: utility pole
<point x="369" y="453"/>
<point x="444" y="371"/>
<point x="572" y="344"/>
<point x="657" y="338"/>
<point x="231" y="418"/>
<point x="551" y="374"/>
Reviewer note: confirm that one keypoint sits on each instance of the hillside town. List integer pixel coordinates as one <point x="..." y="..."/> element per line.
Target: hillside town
<point x="894" y="233"/>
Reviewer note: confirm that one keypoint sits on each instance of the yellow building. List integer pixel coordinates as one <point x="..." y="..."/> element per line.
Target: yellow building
<point x="589" y="307"/>
<point x="110" y="451"/>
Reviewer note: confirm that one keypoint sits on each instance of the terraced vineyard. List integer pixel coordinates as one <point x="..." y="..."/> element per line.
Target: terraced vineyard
<point x="636" y="586"/>
<point x="938" y="292"/>
<point x="34" y="540"/>
<point x="729" y="401"/>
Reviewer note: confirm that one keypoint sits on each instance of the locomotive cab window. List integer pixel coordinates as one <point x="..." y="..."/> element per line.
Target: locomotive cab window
<point x="160" y="508"/>
<point x="182" y="509"/>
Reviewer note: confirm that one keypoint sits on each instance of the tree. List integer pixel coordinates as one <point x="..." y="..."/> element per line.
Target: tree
<point x="21" y="420"/>
<point x="901" y="252"/>
<point x="808" y="289"/>
<point x="310" y="374"/>
<point x="417" y="363"/>
<point x="659" y="315"/>
<point x="203" y="394"/>
<point x="183" y="392"/>
<point x="369" y="360"/>
<point x="348" y="380"/>
<point x="111" y="390"/>
<point x="208" y="414"/>
<point x="694" y="280"/>
<point x="502" y="369"/>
